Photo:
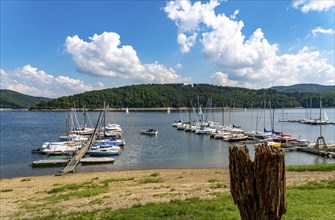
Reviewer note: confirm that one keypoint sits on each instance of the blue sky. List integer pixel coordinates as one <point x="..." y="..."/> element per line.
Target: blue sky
<point x="57" y="48"/>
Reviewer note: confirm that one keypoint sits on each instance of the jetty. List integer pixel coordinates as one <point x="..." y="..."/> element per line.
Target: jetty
<point x="49" y="162"/>
<point x="71" y="166"/>
<point x="325" y="153"/>
<point x="61" y="162"/>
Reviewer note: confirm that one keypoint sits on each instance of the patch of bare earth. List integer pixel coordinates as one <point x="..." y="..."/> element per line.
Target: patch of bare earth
<point x="29" y="197"/>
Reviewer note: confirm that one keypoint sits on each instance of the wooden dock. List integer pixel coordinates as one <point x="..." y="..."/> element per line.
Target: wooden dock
<point x="325" y="153"/>
<point x="55" y="162"/>
<point x="71" y="166"/>
<point x="62" y="162"/>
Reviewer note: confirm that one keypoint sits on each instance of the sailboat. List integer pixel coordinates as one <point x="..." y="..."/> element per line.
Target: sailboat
<point x="168" y="110"/>
<point x="322" y="120"/>
<point x="320" y="141"/>
<point x="127" y="110"/>
<point x="109" y="128"/>
<point x="256" y="134"/>
<point x="62" y="147"/>
<point x="81" y="129"/>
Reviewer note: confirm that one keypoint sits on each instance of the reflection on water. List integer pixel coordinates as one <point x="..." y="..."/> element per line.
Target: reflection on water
<point x="23" y="131"/>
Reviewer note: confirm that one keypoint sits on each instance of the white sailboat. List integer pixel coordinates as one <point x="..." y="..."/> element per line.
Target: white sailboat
<point x="320" y="142"/>
<point x="127" y="110"/>
<point x="81" y="129"/>
<point x="168" y="110"/>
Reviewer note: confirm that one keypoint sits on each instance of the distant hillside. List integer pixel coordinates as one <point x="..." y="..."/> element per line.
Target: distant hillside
<point x="308" y="88"/>
<point x="180" y="95"/>
<point x="16" y="100"/>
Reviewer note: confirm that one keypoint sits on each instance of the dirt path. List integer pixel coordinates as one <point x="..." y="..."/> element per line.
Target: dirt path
<point x="28" y="197"/>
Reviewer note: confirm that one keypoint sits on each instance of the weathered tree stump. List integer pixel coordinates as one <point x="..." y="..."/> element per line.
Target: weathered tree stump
<point x="258" y="188"/>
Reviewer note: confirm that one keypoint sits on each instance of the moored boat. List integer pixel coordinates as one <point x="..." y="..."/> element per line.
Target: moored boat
<point x="204" y="130"/>
<point x="149" y="131"/>
<point x="113" y="128"/>
<point x="284" y="138"/>
<point x="57" y="149"/>
<point x="73" y="137"/>
<point x="236" y="137"/>
<point x="102" y="152"/>
<point x="97" y="160"/>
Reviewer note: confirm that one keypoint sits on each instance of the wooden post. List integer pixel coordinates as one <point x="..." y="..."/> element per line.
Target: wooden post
<point x="258" y="188"/>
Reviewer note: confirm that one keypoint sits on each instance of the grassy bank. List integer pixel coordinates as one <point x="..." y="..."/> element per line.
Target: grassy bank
<point x="312" y="167"/>
<point x="309" y="201"/>
<point x="153" y="194"/>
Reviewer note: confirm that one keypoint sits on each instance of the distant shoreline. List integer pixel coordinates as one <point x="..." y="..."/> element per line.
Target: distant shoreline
<point x="137" y="109"/>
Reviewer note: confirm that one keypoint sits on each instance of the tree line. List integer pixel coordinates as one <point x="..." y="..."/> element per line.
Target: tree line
<point x="192" y="95"/>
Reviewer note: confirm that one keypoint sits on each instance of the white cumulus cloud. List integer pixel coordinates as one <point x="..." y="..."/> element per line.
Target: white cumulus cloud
<point x="187" y="18"/>
<point x="31" y="81"/>
<point x="320" y="30"/>
<point x="252" y="61"/>
<point x="104" y="56"/>
<point x="186" y="42"/>
<point x="313" y="5"/>
<point x="221" y="79"/>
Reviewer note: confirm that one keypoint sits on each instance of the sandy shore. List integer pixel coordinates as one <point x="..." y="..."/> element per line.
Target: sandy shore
<point x="28" y="196"/>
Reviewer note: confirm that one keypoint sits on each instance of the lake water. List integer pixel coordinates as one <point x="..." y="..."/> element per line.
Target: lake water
<point x="23" y="131"/>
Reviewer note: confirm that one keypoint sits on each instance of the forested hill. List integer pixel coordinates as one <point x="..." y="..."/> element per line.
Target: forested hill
<point x="305" y="87"/>
<point x="179" y="95"/>
<point x="16" y="100"/>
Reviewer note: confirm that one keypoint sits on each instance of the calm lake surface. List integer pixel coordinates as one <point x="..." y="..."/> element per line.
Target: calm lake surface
<point x="23" y="131"/>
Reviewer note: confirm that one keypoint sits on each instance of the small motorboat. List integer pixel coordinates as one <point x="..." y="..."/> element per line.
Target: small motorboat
<point x="149" y="131"/>
<point x="103" y="152"/>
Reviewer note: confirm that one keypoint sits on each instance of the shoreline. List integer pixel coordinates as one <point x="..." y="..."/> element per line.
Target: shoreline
<point x="111" y="171"/>
<point x="158" y="109"/>
<point x="30" y="196"/>
<point x="123" y="109"/>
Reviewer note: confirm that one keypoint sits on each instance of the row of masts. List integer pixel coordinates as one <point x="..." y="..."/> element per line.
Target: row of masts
<point x="84" y="144"/>
<point x="196" y="116"/>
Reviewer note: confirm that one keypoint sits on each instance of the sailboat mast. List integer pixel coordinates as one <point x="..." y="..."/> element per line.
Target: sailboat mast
<point x="104" y="119"/>
<point x="282" y="120"/>
<point x="68" y="125"/>
<point x="264" y="113"/>
<point x="310" y="108"/>
<point x="251" y="117"/>
<point x="222" y="114"/>
<point x="84" y="115"/>
<point x="320" y="117"/>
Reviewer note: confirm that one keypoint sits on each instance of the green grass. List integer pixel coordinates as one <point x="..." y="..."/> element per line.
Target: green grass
<point x="154" y="174"/>
<point x="313" y="200"/>
<point x="116" y="180"/>
<point x="218" y="185"/>
<point x="79" y="194"/>
<point x="6" y="190"/>
<point x="71" y="186"/>
<point x="96" y="202"/>
<point x="313" y="185"/>
<point x="213" y="180"/>
<point x="56" y="184"/>
<point x="313" y="167"/>
<point x="85" y="189"/>
<point x="221" y="207"/>
<point x="150" y="180"/>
